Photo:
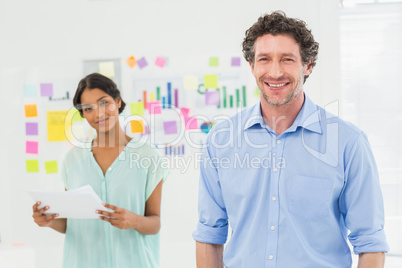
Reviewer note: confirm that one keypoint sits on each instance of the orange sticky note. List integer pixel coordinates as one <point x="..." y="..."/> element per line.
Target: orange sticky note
<point x="31" y="110"/>
<point x="131" y="62"/>
<point x="137" y="126"/>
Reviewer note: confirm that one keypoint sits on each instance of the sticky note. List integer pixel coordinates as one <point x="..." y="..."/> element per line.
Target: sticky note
<point x="131" y="62"/>
<point x="185" y="111"/>
<point x="160" y="62"/>
<point x="235" y="61"/>
<point x="170" y="127"/>
<point x="32" y="165"/>
<point x="190" y="82"/>
<point x="46" y="90"/>
<point x="211" y="97"/>
<point x="51" y="167"/>
<point x="31" y="110"/>
<point x="213" y="62"/>
<point x="31" y="129"/>
<point x="257" y="92"/>
<point x="137" y="126"/>
<point x="107" y="68"/>
<point x="76" y="116"/>
<point x="56" y="125"/>
<point x="154" y="107"/>
<point x="142" y="63"/>
<point x="31" y="147"/>
<point x="30" y="91"/>
<point x="191" y="123"/>
<point x="146" y="131"/>
<point x="137" y="108"/>
<point x="211" y="81"/>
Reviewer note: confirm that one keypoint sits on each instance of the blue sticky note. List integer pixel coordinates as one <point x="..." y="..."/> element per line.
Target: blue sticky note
<point x="30" y="90"/>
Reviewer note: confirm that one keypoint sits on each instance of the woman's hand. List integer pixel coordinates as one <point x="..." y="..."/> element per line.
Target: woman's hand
<point x="120" y="218"/>
<point x="41" y="219"/>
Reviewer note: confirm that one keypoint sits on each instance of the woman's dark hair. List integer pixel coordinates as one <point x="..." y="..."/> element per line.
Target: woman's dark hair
<point x="97" y="80"/>
<point x="277" y="23"/>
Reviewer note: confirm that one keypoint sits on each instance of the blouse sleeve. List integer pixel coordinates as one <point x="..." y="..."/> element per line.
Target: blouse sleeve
<point x="157" y="171"/>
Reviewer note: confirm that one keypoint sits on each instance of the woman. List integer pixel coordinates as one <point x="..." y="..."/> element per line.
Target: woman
<point x="128" y="235"/>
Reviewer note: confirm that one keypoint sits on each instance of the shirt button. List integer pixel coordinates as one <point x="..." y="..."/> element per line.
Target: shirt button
<point x="271" y="257"/>
<point x="275" y="169"/>
<point x="274" y="198"/>
<point x="273" y="228"/>
<point x="278" y="141"/>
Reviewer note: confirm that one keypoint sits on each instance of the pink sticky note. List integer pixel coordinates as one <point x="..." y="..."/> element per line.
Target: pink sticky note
<point x="46" y="90"/>
<point x="212" y="98"/>
<point x="160" y="62"/>
<point x="170" y="127"/>
<point x="185" y="111"/>
<point x="154" y="107"/>
<point x="31" y="129"/>
<point x="31" y="147"/>
<point x="191" y="123"/>
<point x="235" y="61"/>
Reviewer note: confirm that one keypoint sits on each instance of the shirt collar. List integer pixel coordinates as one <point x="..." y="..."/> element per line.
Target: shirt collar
<point x="308" y="117"/>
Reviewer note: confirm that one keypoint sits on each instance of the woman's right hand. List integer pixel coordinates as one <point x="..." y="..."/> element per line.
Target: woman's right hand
<point x="41" y="219"/>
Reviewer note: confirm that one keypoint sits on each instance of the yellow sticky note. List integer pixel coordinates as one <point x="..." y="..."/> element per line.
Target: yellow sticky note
<point x="31" y="110"/>
<point x="256" y="92"/>
<point x="32" y="165"/>
<point x="190" y="82"/>
<point x="56" y="125"/>
<point x="211" y="81"/>
<point x="137" y="108"/>
<point x="213" y="62"/>
<point x="107" y="68"/>
<point x="51" y="167"/>
<point x="137" y="126"/>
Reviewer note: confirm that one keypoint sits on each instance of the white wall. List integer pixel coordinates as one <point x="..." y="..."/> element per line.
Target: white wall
<point x="48" y="40"/>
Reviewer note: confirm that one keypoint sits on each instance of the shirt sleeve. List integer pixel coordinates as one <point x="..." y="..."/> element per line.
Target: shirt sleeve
<point x="157" y="171"/>
<point x="212" y="227"/>
<point x="361" y="201"/>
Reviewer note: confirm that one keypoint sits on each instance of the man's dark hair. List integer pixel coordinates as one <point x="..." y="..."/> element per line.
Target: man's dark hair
<point x="277" y="23"/>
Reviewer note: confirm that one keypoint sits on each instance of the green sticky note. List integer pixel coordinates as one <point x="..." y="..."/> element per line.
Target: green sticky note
<point x="32" y="165"/>
<point x="51" y="167"/>
<point x="76" y="116"/>
<point x="137" y="108"/>
<point x="257" y="92"/>
<point x="213" y="62"/>
<point x="211" y="81"/>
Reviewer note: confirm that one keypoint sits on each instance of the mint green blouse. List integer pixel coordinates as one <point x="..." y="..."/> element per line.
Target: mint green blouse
<point x="128" y="183"/>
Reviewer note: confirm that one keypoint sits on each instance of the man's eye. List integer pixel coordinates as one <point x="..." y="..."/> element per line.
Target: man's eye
<point x="263" y="59"/>
<point x="289" y="60"/>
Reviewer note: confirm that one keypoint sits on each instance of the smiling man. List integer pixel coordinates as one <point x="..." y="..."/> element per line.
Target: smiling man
<point x="320" y="187"/>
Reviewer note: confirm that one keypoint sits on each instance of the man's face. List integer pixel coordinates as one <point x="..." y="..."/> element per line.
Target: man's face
<point x="278" y="68"/>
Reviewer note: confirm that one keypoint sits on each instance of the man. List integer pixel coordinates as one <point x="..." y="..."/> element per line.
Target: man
<point x="291" y="179"/>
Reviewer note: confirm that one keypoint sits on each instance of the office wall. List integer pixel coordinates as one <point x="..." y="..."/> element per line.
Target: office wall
<point x="49" y="40"/>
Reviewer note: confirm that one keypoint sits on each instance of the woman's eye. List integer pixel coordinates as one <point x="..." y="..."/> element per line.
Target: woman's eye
<point x="87" y="109"/>
<point x="103" y="103"/>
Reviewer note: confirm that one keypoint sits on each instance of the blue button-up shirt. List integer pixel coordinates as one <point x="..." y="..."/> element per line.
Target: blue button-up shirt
<point x="291" y="200"/>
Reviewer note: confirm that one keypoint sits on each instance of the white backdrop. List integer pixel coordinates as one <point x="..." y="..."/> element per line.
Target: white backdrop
<point x="49" y="40"/>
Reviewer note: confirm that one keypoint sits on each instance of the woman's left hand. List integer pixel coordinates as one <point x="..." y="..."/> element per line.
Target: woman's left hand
<point x="120" y="218"/>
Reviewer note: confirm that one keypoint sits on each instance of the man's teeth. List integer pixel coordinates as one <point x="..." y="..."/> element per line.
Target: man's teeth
<point x="277" y="85"/>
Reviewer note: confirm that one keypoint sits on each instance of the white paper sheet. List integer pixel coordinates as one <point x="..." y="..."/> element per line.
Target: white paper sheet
<point x="80" y="203"/>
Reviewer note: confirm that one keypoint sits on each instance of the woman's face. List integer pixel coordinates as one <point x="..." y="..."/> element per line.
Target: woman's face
<point x="100" y="109"/>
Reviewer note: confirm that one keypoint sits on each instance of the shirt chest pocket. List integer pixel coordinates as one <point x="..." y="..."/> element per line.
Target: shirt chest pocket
<point x="309" y="197"/>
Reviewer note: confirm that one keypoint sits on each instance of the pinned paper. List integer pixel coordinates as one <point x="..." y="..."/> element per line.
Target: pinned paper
<point x="55" y="125"/>
<point x="170" y="127"/>
<point x="212" y="98"/>
<point x="235" y="61"/>
<point x="211" y="81"/>
<point x="46" y="90"/>
<point x="31" y="147"/>
<point x="154" y="107"/>
<point x="137" y="126"/>
<point x="213" y="62"/>
<point x="32" y="165"/>
<point x="190" y="82"/>
<point x="137" y="108"/>
<point x="160" y="62"/>
<point x="31" y="129"/>
<point x="142" y="63"/>
<point x="191" y="123"/>
<point x="51" y="167"/>
<point x="31" y="110"/>
<point x="107" y="68"/>
<point x="131" y="62"/>
<point x="30" y="91"/>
